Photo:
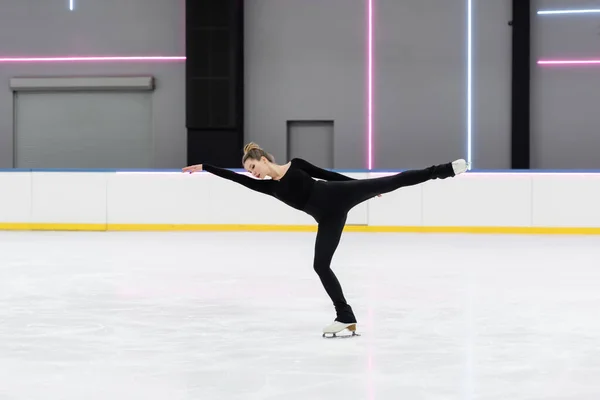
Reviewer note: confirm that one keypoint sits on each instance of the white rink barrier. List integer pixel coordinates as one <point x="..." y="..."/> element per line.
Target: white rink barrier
<point x="495" y="202"/>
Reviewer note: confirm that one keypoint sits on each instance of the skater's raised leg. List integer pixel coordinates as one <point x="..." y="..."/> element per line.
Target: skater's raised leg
<point x="355" y="192"/>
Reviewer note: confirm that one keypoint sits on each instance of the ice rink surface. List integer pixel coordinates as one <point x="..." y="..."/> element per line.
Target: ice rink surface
<point x="210" y="316"/>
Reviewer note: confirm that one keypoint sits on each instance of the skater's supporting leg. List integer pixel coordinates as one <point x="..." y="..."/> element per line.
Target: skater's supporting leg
<point x="328" y="237"/>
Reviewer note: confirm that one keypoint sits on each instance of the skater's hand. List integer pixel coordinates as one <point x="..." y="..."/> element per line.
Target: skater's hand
<point x="193" y="168"/>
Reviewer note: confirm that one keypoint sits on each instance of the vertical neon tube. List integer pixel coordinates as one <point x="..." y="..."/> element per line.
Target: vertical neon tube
<point x="370" y="84"/>
<point x="469" y="81"/>
<point x="71" y="5"/>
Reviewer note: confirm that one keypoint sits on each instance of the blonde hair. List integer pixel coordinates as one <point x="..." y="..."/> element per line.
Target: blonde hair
<point x="253" y="151"/>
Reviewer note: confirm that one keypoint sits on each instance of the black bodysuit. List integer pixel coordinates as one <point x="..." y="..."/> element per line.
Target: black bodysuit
<point x="329" y="202"/>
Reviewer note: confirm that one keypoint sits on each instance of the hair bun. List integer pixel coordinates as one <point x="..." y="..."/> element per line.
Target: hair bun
<point x="251" y="146"/>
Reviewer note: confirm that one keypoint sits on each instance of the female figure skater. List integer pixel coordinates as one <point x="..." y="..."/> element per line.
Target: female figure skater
<point x="327" y="201"/>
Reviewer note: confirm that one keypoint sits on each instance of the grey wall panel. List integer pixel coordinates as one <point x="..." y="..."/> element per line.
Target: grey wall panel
<point x="311" y="140"/>
<point x="565" y="122"/>
<point x="307" y="60"/>
<point x="83" y="130"/>
<point x="100" y="28"/>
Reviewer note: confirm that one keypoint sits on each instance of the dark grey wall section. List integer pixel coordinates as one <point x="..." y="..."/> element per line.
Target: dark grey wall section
<point x="100" y="28"/>
<point x="306" y="60"/>
<point x="168" y="104"/>
<point x="311" y="140"/>
<point x="565" y="122"/>
<point x="47" y="121"/>
<point x="107" y="27"/>
<point x="420" y="92"/>
<point x="492" y="61"/>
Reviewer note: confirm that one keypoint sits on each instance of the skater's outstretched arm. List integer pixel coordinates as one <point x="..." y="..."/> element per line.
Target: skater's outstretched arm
<point x="262" y="186"/>
<point x="320" y="173"/>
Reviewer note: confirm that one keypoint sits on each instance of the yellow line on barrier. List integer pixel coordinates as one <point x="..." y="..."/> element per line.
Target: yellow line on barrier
<point x="212" y="227"/>
<point x="51" y="227"/>
<point x="299" y="228"/>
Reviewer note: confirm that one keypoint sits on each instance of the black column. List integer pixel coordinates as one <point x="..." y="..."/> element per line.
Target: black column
<point x="521" y="64"/>
<point x="215" y="82"/>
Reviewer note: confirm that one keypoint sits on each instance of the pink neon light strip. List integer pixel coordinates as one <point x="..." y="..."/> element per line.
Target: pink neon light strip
<point x="370" y="86"/>
<point x="568" y="62"/>
<point x="86" y="59"/>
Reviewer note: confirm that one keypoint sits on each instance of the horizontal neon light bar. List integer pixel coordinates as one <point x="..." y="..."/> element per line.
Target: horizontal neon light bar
<point x="568" y="62"/>
<point x="558" y="12"/>
<point x="86" y="59"/>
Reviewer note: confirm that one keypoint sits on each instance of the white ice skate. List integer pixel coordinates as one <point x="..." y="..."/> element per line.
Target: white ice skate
<point x="331" y="331"/>
<point x="459" y="166"/>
